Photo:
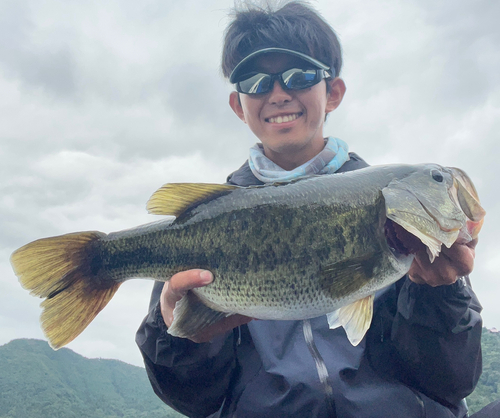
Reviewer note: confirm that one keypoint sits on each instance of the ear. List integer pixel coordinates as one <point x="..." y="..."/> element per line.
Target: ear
<point x="336" y="94"/>
<point x="235" y="103"/>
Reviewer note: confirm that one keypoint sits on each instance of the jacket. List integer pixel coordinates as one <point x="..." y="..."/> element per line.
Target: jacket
<point x="420" y="358"/>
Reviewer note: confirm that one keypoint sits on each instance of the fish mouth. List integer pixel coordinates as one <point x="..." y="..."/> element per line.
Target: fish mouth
<point x="400" y="241"/>
<point x="436" y="219"/>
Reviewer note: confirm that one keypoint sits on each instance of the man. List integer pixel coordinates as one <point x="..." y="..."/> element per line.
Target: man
<point x="421" y="355"/>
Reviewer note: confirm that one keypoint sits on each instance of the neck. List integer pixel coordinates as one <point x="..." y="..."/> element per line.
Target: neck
<point x="291" y="159"/>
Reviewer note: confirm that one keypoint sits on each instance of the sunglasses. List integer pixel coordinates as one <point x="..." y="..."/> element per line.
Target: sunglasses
<point x="292" y="79"/>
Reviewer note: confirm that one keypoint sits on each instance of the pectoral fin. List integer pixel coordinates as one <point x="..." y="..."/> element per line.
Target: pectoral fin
<point x="346" y="277"/>
<point x="354" y="318"/>
<point x="192" y="316"/>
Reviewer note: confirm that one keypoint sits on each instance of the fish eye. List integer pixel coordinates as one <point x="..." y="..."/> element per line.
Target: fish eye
<point x="437" y="175"/>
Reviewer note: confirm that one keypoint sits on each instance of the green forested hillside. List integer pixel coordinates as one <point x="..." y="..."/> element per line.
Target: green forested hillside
<point x="37" y="382"/>
<point x="488" y="388"/>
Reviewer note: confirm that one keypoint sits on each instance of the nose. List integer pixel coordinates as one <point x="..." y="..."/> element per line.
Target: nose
<point x="279" y="95"/>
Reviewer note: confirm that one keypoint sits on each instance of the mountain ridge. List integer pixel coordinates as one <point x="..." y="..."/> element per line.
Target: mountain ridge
<point x="36" y="381"/>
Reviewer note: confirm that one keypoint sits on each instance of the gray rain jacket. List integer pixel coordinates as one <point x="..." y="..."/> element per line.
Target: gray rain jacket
<point x="420" y="358"/>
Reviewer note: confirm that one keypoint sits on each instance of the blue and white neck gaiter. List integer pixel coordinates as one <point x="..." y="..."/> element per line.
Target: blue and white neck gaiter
<point x="328" y="161"/>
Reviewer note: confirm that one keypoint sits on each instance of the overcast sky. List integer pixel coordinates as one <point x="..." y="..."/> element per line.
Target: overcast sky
<point x="103" y="102"/>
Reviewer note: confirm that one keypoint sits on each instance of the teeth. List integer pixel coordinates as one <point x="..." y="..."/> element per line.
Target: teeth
<point x="282" y="119"/>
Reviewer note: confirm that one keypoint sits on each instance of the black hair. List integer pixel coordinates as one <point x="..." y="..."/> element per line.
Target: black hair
<point x="295" y="26"/>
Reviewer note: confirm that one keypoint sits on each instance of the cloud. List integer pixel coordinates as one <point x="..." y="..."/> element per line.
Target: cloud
<point x="117" y="80"/>
<point x="104" y="102"/>
<point x="38" y="56"/>
<point x="419" y="77"/>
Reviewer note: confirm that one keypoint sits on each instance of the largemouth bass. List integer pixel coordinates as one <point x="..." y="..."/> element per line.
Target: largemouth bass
<point x="315" y="246"/>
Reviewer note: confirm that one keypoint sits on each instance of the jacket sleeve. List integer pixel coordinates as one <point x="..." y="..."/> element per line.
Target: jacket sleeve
<point x="191" y="378"/>
<point x="434" y="340"/>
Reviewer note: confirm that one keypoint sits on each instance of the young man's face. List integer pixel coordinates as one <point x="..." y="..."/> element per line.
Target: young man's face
<point x="289" y="123"/>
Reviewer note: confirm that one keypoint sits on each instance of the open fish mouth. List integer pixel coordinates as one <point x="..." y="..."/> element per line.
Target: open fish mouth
<point x="417" y="226"/>
<point x="436" y="219"/>
<point x="465" y="195"/>
<point x="436" y="208"/>
<point x="400" y="241"/>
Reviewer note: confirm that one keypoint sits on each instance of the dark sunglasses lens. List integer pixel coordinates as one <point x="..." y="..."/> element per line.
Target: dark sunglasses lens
<point x="297" y="79"/>
<point x="258" y="83"/>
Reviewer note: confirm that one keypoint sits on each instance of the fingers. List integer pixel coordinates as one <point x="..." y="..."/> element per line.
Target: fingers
<point x="177" y="287"/>
<point x="472" y="244"/>
<point x="453" y="262"/>
<point x="181" y="282"/>
<point x="462" y="257"/>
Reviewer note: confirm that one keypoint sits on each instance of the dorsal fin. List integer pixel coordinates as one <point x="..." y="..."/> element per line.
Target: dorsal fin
<point x="175" y="198"/>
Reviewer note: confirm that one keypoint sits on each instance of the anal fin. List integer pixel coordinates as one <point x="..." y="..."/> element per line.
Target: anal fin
<point x="192" y="316"/>
<point x="354" y="318"/>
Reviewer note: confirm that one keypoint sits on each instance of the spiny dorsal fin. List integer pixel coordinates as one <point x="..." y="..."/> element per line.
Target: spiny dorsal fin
<point x="346" y="277"/>
<point x="175" y="198"/>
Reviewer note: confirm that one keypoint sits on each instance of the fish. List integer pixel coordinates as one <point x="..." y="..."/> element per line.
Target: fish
<point x="469" y="192"/>
<point x="319" y="245"/>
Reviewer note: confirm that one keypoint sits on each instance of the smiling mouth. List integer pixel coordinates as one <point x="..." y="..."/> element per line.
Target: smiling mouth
<point x="284" y="118"/>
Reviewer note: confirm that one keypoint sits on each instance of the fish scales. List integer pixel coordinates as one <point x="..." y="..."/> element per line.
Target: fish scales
<point x="269" y="250"/>
<point x="296" y="250"/>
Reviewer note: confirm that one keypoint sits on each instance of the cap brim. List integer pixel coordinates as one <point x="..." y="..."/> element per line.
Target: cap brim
<point x="241" y="65"/>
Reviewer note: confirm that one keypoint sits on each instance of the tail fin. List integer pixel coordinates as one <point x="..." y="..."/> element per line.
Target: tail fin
<point x="63" y="270"/>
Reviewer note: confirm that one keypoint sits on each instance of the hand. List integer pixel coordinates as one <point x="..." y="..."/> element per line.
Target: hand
<point x="178" y="286"/>
<point x="452" y="263"/>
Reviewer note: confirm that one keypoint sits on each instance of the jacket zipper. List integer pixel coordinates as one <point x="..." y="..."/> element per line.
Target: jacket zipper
<point x="320" y="366"/>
